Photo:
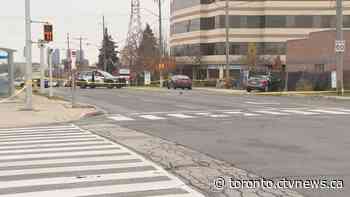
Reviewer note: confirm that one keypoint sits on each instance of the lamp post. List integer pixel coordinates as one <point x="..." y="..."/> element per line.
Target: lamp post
<point x="28" y="56"/>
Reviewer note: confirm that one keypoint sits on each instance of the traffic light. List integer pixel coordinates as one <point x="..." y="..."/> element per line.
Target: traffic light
<point x="48" y="35"/>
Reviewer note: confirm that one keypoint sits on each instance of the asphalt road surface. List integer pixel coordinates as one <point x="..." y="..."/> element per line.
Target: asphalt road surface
<point x="294" y="137"/>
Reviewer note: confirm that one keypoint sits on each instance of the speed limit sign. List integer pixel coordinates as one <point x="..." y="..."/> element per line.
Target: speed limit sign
<point x="340" y="46"/>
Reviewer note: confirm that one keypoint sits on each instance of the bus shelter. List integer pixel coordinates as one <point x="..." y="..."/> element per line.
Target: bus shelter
<point x="7" y="71"/>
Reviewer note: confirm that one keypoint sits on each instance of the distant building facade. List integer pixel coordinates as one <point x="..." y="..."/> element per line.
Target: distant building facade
<point x="259" y="31"/>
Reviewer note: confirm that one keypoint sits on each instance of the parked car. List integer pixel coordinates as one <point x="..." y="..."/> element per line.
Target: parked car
<point x="99" y="78"/>
<point x="179" y="81"/>
<point x="264" y="83"/>
<point x="19" y="83"/>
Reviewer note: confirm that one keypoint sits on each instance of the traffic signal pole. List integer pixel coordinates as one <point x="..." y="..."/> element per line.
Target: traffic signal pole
<point x="161" y="49"/>
<point x="28" y="56"/>
<point x="41" y="44"/>
<point x="340" y="54"/>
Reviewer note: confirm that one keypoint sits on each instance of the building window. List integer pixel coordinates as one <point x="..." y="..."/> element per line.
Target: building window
<point x="255" y="21"/>
<point x="303" y="21"/>
<point x="275" y="21"/>
<point x="207" y="23"/>
<point x="319" y="68"/>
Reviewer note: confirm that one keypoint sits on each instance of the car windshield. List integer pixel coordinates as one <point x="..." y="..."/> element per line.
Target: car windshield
<point x="105" y="74"/>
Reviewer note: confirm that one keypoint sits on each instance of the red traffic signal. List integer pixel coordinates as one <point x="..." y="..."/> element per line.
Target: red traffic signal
<point x="48" y="34"/>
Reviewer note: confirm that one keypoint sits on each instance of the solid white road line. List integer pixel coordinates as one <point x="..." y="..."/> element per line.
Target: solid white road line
<point x="50" y="145"/>
<point x="39" y="128"/>
<point x="72" y="169"/>
<point x="251" y="114"/>
<point x="329" y="112"/>
<point x="219" y="116"/>
<point x="57" y="130"/>
<point x="233" y="112"/>
<point x="152" y="117"/>
<point x="57" y="149"/>
<point x="68" y="160"/>
<point x="110" y="189"/>
<point x="300" y="112"/>
<point x="121" y="118"/>
<point x="182" y="116"/>
<point x="67" y="180"/>
<point x="271" y="112"/>
<point x="61" y="154"/>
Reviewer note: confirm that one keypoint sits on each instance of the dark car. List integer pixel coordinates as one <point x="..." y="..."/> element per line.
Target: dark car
<point x="179" y="81"/>
<point x="264" y="83"/>
<point x="99" y="78"/>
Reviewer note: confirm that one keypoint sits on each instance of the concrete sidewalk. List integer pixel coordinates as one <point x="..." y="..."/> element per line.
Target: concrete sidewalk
<point x="46" y="111"/>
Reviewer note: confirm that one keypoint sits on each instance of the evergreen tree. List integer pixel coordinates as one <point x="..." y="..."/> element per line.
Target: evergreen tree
<point x="148" y="51"/>
<point x="108" y="54"/>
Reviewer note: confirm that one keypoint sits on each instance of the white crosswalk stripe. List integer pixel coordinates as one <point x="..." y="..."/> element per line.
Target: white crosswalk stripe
<point x="300" y="112"/>
<point x="330" y="112"/>
<point x="182" y="116"/>
<point x="71" y="165"/>
<point x="271" y="112"/>
<point x="226" y="114"/>
<point x="152" y="117"/>
<point x="121" y="118"/>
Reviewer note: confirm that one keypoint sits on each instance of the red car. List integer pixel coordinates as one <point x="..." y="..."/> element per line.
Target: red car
<point x="260" y="83"/>
<point x="179" y="81"/>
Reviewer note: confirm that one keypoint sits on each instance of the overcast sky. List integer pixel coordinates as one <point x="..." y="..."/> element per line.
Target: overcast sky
<point x="79" y="17"/>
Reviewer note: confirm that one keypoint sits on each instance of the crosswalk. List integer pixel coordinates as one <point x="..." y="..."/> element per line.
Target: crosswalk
<point x="67" y="161"/>
<point x="273" y="112"/>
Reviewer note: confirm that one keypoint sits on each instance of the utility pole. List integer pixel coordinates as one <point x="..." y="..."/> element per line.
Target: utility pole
<point x="49" y="57"/>
<point x="71" y="73"/>
<point x="227" y="43"/>
<point x="28" y="54"/>
<point x="161" y="49"/>
<point x="340" y="53"/>
<point x="41" y="45"/>
<point x="103" y="45"/>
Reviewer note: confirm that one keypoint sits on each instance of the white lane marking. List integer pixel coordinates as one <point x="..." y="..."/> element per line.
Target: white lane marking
<point x="342" y="109"/>
<point x="48" y="138"/>
<point x="251" y="114"/>
<point x="67" y="160"/>
<point x="182" y="116"/>
<point x="39" y="128"/>
<point x="212" y="115"/>
<point x="50" y="145"/>
<point x="67" y="180"/>
<point x="57" y="149"/>
<point x="101" y="190"/>
<point x="152" y="117"/>
<point x="61" y="154"/>
<point x="219" y="116"/>
<point x="233" y="112"/>
<point x="262" y="103"/>
<point x="73" y="169"/>
<point x="300" y="112"/>
<point x="329" y="112"/>
<point x="271" y="112"/>
<point x="59" y="130"/>
<point x="203" y="114"/>
<point x="121" y="118"/>
<point x="52" y="141"/>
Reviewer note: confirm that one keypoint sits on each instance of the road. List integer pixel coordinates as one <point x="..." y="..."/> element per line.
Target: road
<point x="295" y="137"/>
<point x="64" y="160"/>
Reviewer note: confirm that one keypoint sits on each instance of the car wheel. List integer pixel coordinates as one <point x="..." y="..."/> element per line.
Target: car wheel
<point x="190" y="88"/>
<point x="82" y="86"/>
<point x="249" y="90"/>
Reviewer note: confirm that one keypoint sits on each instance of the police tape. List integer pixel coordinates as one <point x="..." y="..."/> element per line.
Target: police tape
<point x="13" y="96"/>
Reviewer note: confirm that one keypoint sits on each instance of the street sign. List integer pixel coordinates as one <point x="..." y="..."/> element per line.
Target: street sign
<point x="340" y="46"/>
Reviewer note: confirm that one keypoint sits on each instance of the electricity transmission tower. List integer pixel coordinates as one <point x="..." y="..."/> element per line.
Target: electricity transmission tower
<point x="134" y="32"/>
